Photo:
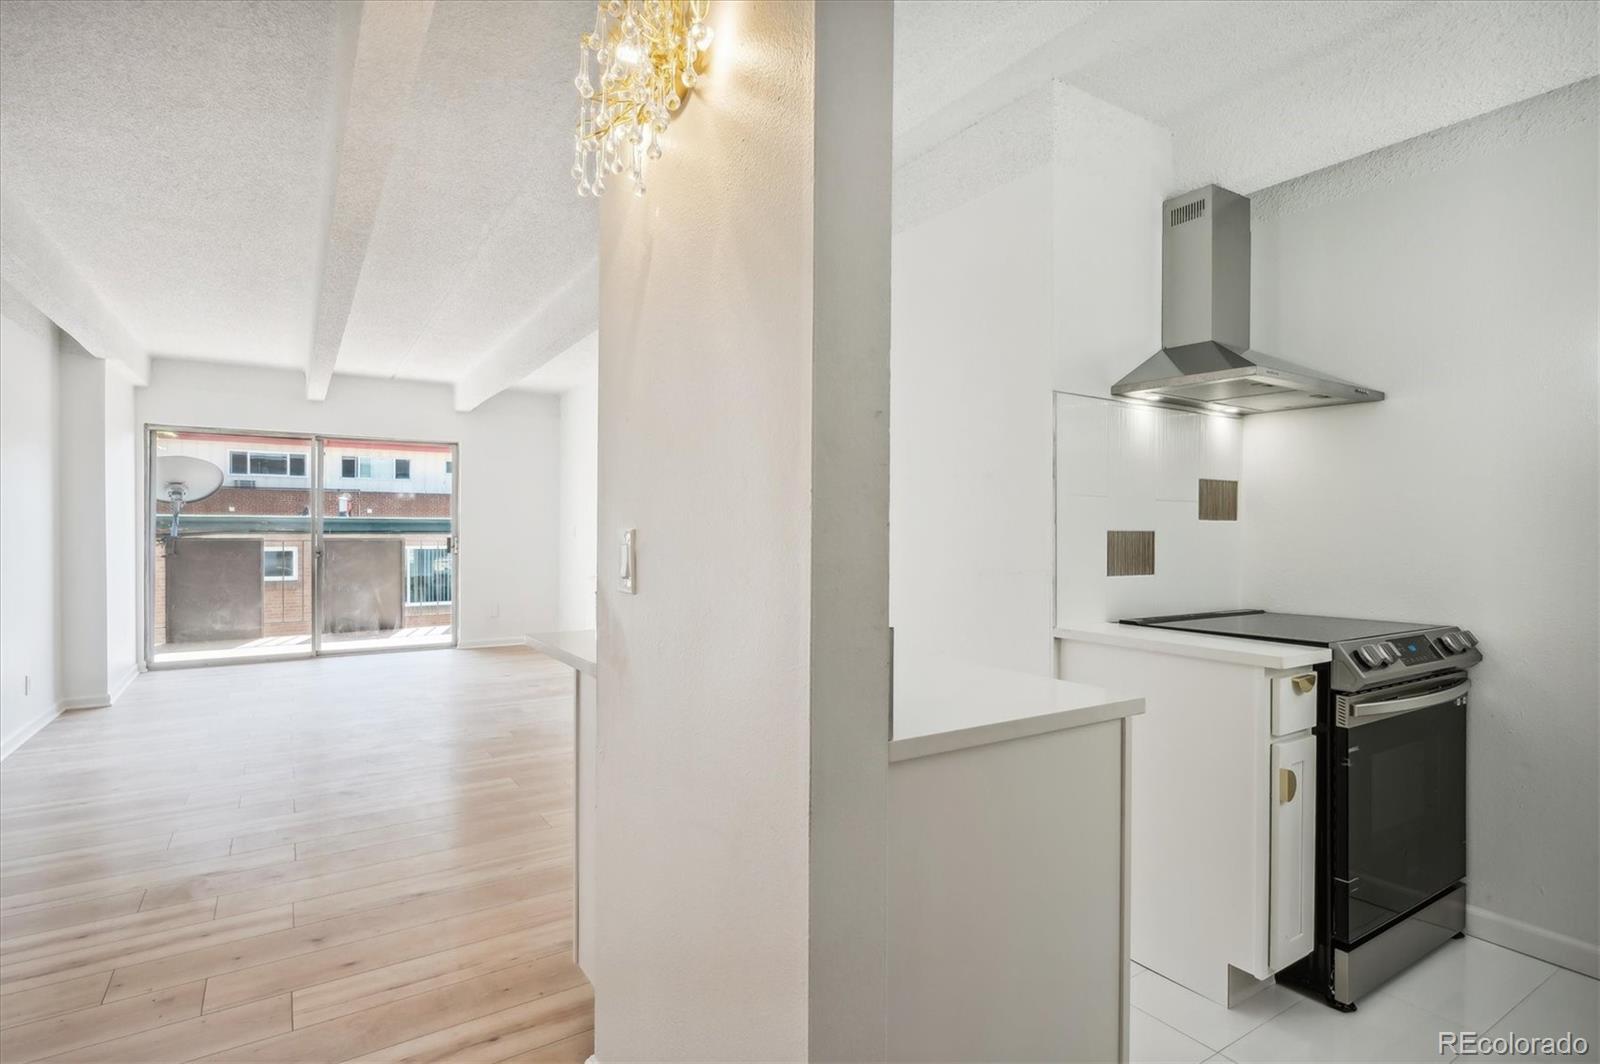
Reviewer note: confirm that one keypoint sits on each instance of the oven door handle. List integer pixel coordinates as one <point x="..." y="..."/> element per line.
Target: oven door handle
<point x="1365" y="711"/>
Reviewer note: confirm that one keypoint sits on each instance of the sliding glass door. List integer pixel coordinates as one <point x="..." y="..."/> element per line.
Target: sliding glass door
<point x="388" y="558"/>
<point x="265" y="545"/>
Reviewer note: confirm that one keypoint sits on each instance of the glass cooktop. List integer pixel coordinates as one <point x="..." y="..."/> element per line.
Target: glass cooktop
<point x="1301" y="628"/>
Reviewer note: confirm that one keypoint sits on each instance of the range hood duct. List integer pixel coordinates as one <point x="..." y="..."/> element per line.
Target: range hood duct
<point x="1205" y="361"/>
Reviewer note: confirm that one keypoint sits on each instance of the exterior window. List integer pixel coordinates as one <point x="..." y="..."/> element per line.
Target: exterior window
<point x="268" y="464"/>
<point x="279" y="564"/>
<point x="351" y="467"/>
<point x="449" y="467"/>
<point x="402" y="469"/>
<point x="427" y="576"/>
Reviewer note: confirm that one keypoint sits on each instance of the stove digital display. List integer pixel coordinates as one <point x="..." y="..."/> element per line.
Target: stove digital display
<point x="1415" y="649"/>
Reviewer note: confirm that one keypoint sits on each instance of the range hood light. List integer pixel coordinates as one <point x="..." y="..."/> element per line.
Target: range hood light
<point x="1206" y="362"/>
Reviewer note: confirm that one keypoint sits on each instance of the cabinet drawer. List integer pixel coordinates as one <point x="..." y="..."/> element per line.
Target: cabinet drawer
<point x="1294" y="703"/>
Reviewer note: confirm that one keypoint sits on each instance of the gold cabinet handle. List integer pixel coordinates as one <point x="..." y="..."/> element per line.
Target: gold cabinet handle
<point x="1304" y="683"/>
<point x="1288" y="784"/>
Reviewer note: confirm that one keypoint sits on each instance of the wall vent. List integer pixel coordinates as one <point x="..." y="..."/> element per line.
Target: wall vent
<point x="1188" y="213"/>
<point x="1130" y="553"/>
<point x="1219" y="500"/>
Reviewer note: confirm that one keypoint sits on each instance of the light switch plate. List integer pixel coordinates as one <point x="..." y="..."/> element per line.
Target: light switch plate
<point x="625" y="571"/>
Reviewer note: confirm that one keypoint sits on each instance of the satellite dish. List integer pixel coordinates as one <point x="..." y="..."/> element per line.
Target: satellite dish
<point x="180" y="479"/>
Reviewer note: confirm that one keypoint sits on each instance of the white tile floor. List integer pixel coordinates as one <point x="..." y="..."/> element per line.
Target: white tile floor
<point x="1468" y="985"/>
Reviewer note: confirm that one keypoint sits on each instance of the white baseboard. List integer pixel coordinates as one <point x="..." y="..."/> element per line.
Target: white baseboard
<point x="1552" y="946"/>
<point x="102" y="699"/>
<point x="120" y="687"/>
<point x="28" y="731"/>
<point x="94" y="701"/>
<point x="485" y="644"/>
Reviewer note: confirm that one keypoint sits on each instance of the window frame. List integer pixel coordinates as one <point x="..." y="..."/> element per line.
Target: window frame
<point x="359" y="464"/>
<point x="293" y="550"/>
<point x="250" y="456"/>
<point x="412" y="550"/>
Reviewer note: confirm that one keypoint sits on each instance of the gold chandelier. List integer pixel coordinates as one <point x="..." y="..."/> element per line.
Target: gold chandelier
<point x="647" y="56"/>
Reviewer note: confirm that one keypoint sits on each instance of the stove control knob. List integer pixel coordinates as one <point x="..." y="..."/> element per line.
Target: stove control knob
<point x="1372" y="656"/>
<point x="1454" y="643"/>
<point x="1468" y="638"/>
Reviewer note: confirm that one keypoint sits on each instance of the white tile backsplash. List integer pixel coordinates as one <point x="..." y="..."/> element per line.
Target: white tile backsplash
<point x="1221" y="447"/>
<point x="1135" y="449"/>
<point x="1178" y="456"/>
<point x="1132" y="466"/>
<point x="1086" y="436"/>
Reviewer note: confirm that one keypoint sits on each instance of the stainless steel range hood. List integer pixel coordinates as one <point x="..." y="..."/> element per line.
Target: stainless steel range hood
<point x="1205" y="361"/>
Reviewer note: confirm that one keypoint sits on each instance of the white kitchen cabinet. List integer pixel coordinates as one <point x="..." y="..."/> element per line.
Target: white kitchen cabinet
<point x="1223" y="876"/>
<point x="1294" y="833"/>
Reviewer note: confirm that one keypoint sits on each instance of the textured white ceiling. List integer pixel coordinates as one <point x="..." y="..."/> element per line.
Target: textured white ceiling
<point x="479" y="221"/>
<point x="1254" y="91"/>
<point x="175" y="153"/>
<point x="378" y="188"/>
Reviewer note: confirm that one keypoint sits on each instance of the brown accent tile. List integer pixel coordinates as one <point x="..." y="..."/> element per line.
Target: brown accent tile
<point x="1219" y="500"/>
<point x="1130" y="553"/>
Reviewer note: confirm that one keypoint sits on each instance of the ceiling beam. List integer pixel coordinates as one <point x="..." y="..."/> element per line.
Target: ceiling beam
<point x="563" y="320"/>
<point x="34" y="268"/>
<point x="389" y="43"/>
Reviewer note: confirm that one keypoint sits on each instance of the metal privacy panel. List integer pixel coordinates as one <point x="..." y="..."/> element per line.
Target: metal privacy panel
<point x="1130" y="553"/>
<point x="1219" y="500"/>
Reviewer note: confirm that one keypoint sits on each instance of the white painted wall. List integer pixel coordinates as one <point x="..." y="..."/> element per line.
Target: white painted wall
<point x="1112" y="170"/>
<point x="29" y="462"/>
<point x="970" y="500"/>
<point x="580" y="442"/>
<point x="83" y="524"/>
<point x="1028" y="258"/>
<point x="122" y="538"/>
<point x="744" y="688"/>
<point x="1457" y="273"/>
<point x="508" y="476"/>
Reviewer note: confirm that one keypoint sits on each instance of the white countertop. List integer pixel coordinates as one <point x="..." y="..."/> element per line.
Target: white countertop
<point x="574" y="648"/>
<point x="1198" y="645"/>
<point x="942" y="704"/>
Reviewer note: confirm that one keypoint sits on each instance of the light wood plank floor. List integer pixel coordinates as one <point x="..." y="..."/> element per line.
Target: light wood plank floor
<point x="363" y="858"/>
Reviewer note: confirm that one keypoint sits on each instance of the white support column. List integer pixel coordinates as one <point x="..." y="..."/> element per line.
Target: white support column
<point x="744" y="717"/>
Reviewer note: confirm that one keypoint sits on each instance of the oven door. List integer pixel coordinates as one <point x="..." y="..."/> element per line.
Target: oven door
<point x="1399" y="793"/>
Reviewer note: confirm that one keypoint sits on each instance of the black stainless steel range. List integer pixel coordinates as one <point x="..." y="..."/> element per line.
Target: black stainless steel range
<point x="1391" y="789"/>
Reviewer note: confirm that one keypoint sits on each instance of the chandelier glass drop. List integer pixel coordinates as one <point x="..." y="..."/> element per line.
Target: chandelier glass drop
<point x="634" y="72"/>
